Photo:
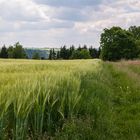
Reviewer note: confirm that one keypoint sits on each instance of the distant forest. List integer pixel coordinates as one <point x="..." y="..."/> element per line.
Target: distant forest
<point x="115" y="44"/>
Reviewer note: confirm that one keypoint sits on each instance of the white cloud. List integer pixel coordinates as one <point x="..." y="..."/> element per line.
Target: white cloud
<point x="113" y="14"/>
<point x="21" y="10"/>
<point x="44" y="23"/>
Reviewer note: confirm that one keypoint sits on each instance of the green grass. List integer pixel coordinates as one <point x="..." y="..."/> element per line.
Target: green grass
<point x="69" y="100"/>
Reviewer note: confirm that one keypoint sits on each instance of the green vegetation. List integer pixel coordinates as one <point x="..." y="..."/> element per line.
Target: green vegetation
<point x="4" y="52"/>
<point x="52" y="54"/>
<point x="117" y="43"/>
<point x="74" y="53"/>
<point x="69" y="100"/>
<point x="81" y="54"/>
<point x="36" y="55"/>
<point x="16" y="52"/>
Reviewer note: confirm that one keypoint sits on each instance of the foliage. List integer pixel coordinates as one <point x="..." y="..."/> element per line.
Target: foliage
<point x="135" y="31"/>
<point x="94" y="53"/>
<point x="4" y="53"/>
<point x="52" y="54"/>
<point x="75" y="53"/>
<point x="83" y="54"/>
<point x="117" y="44"/>
<point x="10" y="52"/>
<point x="18" y="51"/>
<point x="64" y="53"/>
<point x="36" y="55"/>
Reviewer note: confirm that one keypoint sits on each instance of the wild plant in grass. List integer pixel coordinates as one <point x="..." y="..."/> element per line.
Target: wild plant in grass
<point x="37" y="113"/>
<point x="69" y="95"/>
<point x="22" y="105"/>
<point x="5" y="103"/>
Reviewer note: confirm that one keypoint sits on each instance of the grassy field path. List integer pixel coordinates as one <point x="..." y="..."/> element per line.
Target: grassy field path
<point x="125" y="79"/>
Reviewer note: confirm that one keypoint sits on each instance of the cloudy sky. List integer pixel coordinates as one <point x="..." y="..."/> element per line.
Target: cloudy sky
<point x="52" y="23"/>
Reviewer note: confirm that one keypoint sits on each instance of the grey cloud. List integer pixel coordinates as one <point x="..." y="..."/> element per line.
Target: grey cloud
<point x="70" y="14"/>
<point x="33" y="26"/>
<point x="69" y="3"/>
<point x="56" y="22"/>
<point x="46" y="25"/>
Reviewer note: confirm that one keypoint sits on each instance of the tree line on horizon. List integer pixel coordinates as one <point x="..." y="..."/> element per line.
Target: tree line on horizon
<point x="115" y="44"/>
<point x="16" y="51"/>
<point x="74" y="53"/>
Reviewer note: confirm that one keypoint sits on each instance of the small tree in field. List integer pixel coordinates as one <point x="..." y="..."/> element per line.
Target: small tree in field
<point x="18" y="51"/>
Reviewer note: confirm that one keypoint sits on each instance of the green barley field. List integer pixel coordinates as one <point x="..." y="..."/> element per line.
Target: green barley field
<point x="69" y="100"/>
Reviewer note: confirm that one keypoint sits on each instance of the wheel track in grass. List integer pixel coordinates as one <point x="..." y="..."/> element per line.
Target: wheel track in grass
<point x="125" y="98"/>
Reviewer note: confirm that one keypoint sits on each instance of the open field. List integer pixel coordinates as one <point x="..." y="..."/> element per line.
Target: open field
<point x="69" y="100"/>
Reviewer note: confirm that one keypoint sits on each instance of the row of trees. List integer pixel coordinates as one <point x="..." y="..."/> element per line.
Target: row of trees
<point x="117" y="43"/>
<point x="16" y="51"/>
<point x="74" y="53"/>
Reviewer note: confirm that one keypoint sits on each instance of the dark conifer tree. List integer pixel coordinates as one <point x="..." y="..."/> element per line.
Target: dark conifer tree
<point x="79" y="48"/>
<point x="4" y="52"/>
<point x="85" y="47"/>
<point x="53" y="54"/>
<point x="10" y="52"/>
<point x="50" y="54"/>
<point x="94" y="53"/>
<point x="64" y="53"/>
<point x="58" y="55"/>
<point x="71" y="50"/>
